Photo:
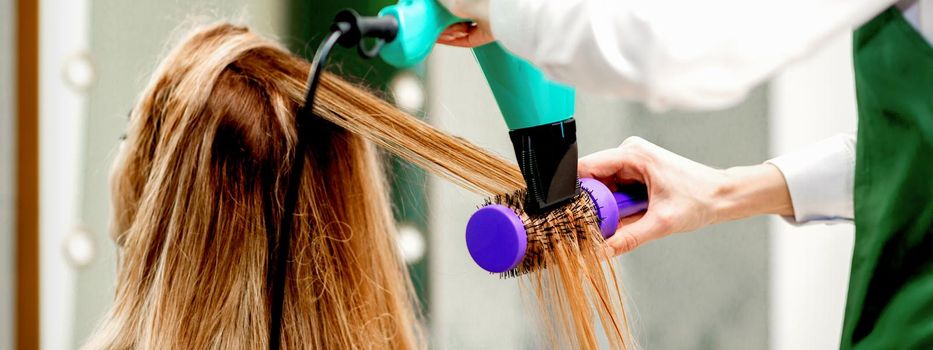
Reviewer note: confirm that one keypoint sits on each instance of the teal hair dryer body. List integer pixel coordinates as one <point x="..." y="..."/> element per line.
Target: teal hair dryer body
<point x="537" y="111"/>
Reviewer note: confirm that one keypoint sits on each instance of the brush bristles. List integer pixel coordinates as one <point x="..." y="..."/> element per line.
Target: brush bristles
<point x="573" y="222"/>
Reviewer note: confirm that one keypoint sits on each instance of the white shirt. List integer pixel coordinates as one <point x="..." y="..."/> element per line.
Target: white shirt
<point x="690" y="54"/>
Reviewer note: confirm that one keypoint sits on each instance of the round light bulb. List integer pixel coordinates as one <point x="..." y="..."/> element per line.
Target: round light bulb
<point x="79" y="248"/>
<point x="407" y="91"/>
<point x="411" y="243"/>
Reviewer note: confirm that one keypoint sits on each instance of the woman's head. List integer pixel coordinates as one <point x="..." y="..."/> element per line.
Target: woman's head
<point x="199" y="184"/>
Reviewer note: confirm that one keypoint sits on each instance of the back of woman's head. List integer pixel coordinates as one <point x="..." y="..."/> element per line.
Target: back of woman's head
<point x="198" y="190"/>
<point x="198" y="187"/>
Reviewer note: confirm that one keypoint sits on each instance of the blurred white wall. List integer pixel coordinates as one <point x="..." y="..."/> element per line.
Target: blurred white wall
<point x="811" y="100"/>
<point x="7" y="171"/>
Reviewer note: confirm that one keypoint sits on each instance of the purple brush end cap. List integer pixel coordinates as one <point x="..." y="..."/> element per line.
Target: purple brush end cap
<point x="606" y="207"/>
<point x="496" y="238"/>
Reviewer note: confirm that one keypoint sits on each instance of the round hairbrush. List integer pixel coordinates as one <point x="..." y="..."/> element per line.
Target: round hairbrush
<point x="502" y="238"/>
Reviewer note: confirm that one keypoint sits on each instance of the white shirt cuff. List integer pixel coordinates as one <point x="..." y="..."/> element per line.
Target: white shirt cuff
<point x="820" y="179"/>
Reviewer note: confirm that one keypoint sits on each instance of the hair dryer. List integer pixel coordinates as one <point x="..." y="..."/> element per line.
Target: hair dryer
<point x="537" y="111"/>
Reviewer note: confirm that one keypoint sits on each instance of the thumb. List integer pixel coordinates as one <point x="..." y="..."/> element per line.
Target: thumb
<point x="632" y="235"/>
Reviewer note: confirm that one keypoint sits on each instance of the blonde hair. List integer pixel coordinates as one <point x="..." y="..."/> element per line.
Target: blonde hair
<point x="200" y="179"/>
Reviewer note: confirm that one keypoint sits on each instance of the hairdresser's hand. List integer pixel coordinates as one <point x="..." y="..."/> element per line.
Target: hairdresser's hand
<point x="465" y="34"/>
<point x="683" y="195"/>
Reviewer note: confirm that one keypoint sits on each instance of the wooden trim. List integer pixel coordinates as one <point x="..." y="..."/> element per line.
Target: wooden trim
<point x="27" y="176"/>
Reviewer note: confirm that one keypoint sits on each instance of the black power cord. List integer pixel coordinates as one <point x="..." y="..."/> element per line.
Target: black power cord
<point x="349" y="29"/>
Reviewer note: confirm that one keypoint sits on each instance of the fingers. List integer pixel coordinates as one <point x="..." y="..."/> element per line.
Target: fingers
<point x="464" y="35"/>
<point x="453" y="33"/>
<point x="635" y="160"/>
<point x="603" y="164"/>
<point x="621" y="164"/>
<point x="632" y="235"/>
<point x="631" y="218"/>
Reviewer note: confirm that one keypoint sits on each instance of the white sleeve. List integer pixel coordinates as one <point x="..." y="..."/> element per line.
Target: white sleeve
<point x="684" y="54"/>
<point x="820" y="179"/>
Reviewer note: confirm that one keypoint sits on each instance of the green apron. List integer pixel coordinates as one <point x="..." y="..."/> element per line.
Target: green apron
<point x="890" y="302"/>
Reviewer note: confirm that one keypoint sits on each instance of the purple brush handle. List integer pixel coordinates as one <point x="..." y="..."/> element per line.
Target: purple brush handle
<point x="496" y="236"/>
<point x="611" y="206"/>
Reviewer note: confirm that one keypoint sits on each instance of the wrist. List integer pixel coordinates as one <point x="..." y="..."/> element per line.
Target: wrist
<point x="752" y="190"/>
